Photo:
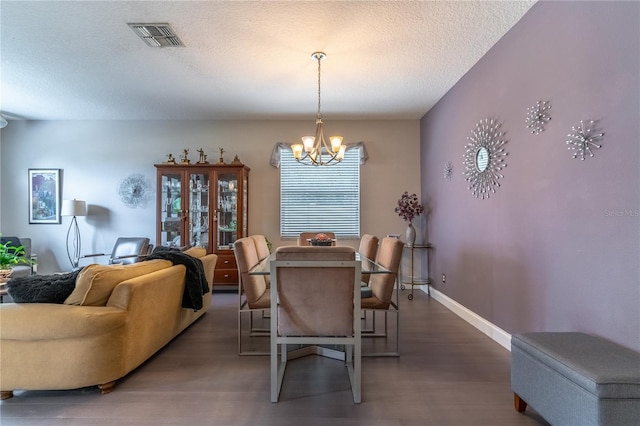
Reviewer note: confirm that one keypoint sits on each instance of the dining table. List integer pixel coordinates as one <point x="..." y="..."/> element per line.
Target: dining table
<point x="367" y="266"/>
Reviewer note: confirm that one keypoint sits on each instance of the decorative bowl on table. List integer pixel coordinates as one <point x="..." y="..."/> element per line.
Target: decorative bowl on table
<point x="317" y="242"/>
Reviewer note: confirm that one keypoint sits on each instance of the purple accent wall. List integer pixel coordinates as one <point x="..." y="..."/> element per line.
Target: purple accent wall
<point x="558" y="246"/>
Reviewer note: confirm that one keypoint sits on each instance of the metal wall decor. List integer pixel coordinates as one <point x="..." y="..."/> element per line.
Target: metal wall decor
<point x="484" y="158"/>
<point x="538" y="116"/>
<point x="448" y="170"/>
<point x="584" y="137"/>
<point x="135" y="191"/>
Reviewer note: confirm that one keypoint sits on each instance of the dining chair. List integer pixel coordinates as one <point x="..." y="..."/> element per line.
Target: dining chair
<point x="316" y="299"/>
<point x="253" y="295"/>
<point x="369" y="249"/>
<point x="382" y="286"/>
<point x="262" y="250"/>
<point x="304" y="237"/>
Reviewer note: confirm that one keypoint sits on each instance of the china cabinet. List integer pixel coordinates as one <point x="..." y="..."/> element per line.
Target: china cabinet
<point x="204" y="205"/>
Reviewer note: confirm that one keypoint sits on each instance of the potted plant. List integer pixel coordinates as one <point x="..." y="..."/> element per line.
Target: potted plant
<point x="11" y="255"/>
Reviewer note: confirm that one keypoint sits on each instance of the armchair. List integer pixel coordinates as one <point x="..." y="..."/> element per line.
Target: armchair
<point x="126" y="250"/>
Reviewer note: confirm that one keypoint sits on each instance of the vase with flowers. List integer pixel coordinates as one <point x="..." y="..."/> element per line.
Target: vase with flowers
<point x="408" y="208"/>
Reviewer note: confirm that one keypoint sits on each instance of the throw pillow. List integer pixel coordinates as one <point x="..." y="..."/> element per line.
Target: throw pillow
<point x="96" y="282"/>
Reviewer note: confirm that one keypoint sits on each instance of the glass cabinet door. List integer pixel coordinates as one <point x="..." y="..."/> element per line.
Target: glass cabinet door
<point x="171" y="209"/>
<point x="198" y="221"/>
<point x="227" y="210"/>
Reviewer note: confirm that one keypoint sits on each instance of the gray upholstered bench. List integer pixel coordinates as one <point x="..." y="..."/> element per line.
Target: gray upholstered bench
<point x="575" y="379"/>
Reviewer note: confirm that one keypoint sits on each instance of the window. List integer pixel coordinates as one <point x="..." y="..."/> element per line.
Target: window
<point x="320" y="198"/>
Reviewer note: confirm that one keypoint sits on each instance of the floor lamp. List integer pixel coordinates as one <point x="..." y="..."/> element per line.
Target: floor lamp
<point x="73" y="208"/>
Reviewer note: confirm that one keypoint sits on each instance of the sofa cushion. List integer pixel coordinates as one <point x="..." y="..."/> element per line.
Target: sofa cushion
<point x="96" y="282"/>
<point x="196" y="252"/>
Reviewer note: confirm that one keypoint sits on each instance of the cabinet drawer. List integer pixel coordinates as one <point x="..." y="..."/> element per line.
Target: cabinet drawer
<point x="226" y="261"/>
<point x="225" y="276"/>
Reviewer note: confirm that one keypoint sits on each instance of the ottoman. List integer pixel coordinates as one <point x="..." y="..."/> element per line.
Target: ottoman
<point x="573" y="378"/>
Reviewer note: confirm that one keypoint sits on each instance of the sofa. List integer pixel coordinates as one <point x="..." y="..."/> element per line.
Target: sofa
<point x="116" y="318"/>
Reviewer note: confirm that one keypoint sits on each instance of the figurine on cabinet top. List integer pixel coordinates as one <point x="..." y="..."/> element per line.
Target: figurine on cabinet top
<point x="185" y="157"/>
<point x="170" y="159"/>
<point x="203" y="157"/>
<point x="222" y="151"/>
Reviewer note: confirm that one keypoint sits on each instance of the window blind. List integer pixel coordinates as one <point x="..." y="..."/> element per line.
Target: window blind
<point x="320" y="198"/>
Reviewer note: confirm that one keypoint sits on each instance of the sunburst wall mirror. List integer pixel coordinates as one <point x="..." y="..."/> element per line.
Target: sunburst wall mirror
<point x="135" y="191"/>
<point x="484" y="158"/>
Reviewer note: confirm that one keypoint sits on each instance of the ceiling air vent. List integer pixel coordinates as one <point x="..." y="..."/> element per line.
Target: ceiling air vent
<point x="157" y="35"/>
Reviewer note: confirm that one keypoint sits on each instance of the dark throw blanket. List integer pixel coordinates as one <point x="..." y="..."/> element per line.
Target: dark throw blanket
<point x="42" y="288"/>
<point x="195" y="285"/>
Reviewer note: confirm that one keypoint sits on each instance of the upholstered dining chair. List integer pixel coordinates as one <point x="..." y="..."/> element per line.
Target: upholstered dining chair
<point x="382" y="285"/>
<point x="315" y="293"/>
<point x="262" y="250"/>
<point x="304" y="237"/>
<point x="369" y="249"/>
<point x="253" y="294"/>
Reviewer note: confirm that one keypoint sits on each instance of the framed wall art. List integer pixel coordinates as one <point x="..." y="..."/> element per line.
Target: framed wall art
<point x="45" y="193"/>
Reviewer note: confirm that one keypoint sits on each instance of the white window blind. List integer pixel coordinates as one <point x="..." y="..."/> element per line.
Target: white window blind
<point x="320" y="198"/>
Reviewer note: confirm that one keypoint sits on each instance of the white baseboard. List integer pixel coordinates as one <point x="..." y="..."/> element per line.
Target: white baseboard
<point x="494" y="332"/>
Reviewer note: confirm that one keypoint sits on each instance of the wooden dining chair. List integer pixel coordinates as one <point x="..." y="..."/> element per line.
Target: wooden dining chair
<point x="315" y="293"/>
<point x="253" y="295"/>
<point x="382" y="286"/>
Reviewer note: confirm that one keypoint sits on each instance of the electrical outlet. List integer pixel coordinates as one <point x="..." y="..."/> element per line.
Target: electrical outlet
<point x="444" y="278"/>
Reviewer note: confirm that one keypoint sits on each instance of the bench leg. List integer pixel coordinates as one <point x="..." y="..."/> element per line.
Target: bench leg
<point x="6" y="395"/>
<point x="519" y="403"/>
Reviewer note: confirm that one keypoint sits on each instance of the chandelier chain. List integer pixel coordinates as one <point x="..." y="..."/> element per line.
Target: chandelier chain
<point x="319" y="114"/>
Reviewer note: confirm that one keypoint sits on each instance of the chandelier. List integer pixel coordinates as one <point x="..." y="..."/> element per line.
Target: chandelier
<point x="314" y="150"/>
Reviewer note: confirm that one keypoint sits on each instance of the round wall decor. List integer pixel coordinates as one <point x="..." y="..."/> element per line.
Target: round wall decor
<point x="584" y="137"/>
<point x="135" y="191"/>
<point x="448" y="170"/>
<point x="538" y="116"/>
<point x="484" y="158"/>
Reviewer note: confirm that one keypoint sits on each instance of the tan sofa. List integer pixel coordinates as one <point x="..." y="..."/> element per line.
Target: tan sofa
<point x="47" y="346"/>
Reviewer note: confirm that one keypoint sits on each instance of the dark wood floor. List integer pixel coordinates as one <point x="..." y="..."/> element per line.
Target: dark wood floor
<point x="448" y="374"/>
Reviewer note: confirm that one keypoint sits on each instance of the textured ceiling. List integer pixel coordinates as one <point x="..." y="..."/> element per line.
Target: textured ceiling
<point x="77" y="60"/>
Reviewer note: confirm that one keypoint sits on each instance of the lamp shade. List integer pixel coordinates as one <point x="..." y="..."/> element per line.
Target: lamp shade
<point x="73" y="208"/>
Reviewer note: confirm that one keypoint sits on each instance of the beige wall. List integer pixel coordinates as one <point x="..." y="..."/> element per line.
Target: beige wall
<point x="96" y="155"/>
